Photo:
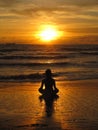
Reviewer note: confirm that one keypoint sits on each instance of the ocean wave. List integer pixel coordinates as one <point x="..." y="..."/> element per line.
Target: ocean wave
<point x="34" y="64"/>
<point x="11" y="47"/>
<point x="45" y="56"/>
<point x="90" y="53"/>
<point x="34" y="57"/>
<point x="30" y="58"/>
<point x="89" y="64"/>
<point x="30" y="77"/>
<point x="59" y="76"/>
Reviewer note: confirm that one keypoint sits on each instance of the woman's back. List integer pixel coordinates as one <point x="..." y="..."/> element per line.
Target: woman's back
<point x="49" y="83"/>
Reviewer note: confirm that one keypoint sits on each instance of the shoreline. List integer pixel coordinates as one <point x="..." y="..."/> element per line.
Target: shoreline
<point x="75" y="109"/>
<point x="88" y="82"/>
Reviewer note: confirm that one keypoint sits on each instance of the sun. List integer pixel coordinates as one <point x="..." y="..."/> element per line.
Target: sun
<point x="48" y="33"/>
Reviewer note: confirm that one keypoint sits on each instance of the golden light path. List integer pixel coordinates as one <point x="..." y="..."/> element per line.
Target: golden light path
<point x="48" y="33"/>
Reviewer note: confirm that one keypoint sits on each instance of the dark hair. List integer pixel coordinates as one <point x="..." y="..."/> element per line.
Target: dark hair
<point x="48" y="73"/>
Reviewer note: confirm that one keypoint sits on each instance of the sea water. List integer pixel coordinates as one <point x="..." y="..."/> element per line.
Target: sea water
<point x="27" y="62"/>
<point x="76" y="107"/>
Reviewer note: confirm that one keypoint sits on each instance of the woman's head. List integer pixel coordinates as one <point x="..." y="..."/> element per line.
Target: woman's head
<point x="48" y="73"/>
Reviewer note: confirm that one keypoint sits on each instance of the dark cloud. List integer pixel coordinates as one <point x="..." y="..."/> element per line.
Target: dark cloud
<point x="49" y="4"/>
<point x="57" y="12"/>
<point x="8" y="3"/>
<point x="78" y="2"/>
<point x="37" y="7"/>
<point x="32" y="11"/>
<point x="61" y="11"/>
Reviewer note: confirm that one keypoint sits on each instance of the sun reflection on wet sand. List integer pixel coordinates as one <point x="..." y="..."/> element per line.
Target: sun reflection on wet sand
<point x="21" y="107"/>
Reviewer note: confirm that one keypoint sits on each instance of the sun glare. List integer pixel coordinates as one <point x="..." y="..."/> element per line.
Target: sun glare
<point x="48" y="33"/>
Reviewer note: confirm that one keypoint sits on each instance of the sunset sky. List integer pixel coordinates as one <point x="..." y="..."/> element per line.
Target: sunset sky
<point x="20" y="20"/>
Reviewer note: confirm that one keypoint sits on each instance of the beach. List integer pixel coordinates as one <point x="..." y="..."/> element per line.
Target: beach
<point x="75" y="108"/>
<point x="42" y="42"/>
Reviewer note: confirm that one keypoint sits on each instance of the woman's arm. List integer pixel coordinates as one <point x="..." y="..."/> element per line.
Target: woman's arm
<point x="42" y="83"/>
<point x="54" y="84"/>
<point x="55" y="88"/>
<point x="41" y="87"/>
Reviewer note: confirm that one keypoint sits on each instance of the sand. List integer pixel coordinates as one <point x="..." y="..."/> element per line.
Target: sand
<point x="76" y="108"/>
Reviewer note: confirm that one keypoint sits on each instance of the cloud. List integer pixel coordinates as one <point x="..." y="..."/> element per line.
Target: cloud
<point x="57" y="7"/>
<point x="8" y="3"/>
<point x="77" y="2"/>
<point x="62" y="14"/>
<point x="58" y="11"/>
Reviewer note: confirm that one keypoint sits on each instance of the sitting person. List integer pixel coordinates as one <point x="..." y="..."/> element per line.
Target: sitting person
<point x="49" y="83"/>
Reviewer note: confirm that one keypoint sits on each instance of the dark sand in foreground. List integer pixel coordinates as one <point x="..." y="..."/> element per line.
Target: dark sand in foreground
<point x="76" y="108"/>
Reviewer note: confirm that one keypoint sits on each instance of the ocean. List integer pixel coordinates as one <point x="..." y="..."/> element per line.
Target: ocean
<point x="28" y="62"/>
<point x="22" y="68"/>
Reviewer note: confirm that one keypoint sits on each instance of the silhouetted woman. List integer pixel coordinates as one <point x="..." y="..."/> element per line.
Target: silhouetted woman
<point x="49" y="83"/>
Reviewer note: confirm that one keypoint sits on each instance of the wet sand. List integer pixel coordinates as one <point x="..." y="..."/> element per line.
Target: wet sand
<point x="75" y="108"/>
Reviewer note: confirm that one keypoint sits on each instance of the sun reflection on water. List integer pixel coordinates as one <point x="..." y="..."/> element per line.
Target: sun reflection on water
<point x="22" y="107"/>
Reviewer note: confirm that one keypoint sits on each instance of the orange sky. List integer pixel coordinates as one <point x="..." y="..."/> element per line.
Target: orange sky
<point x="20" y="20"/>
